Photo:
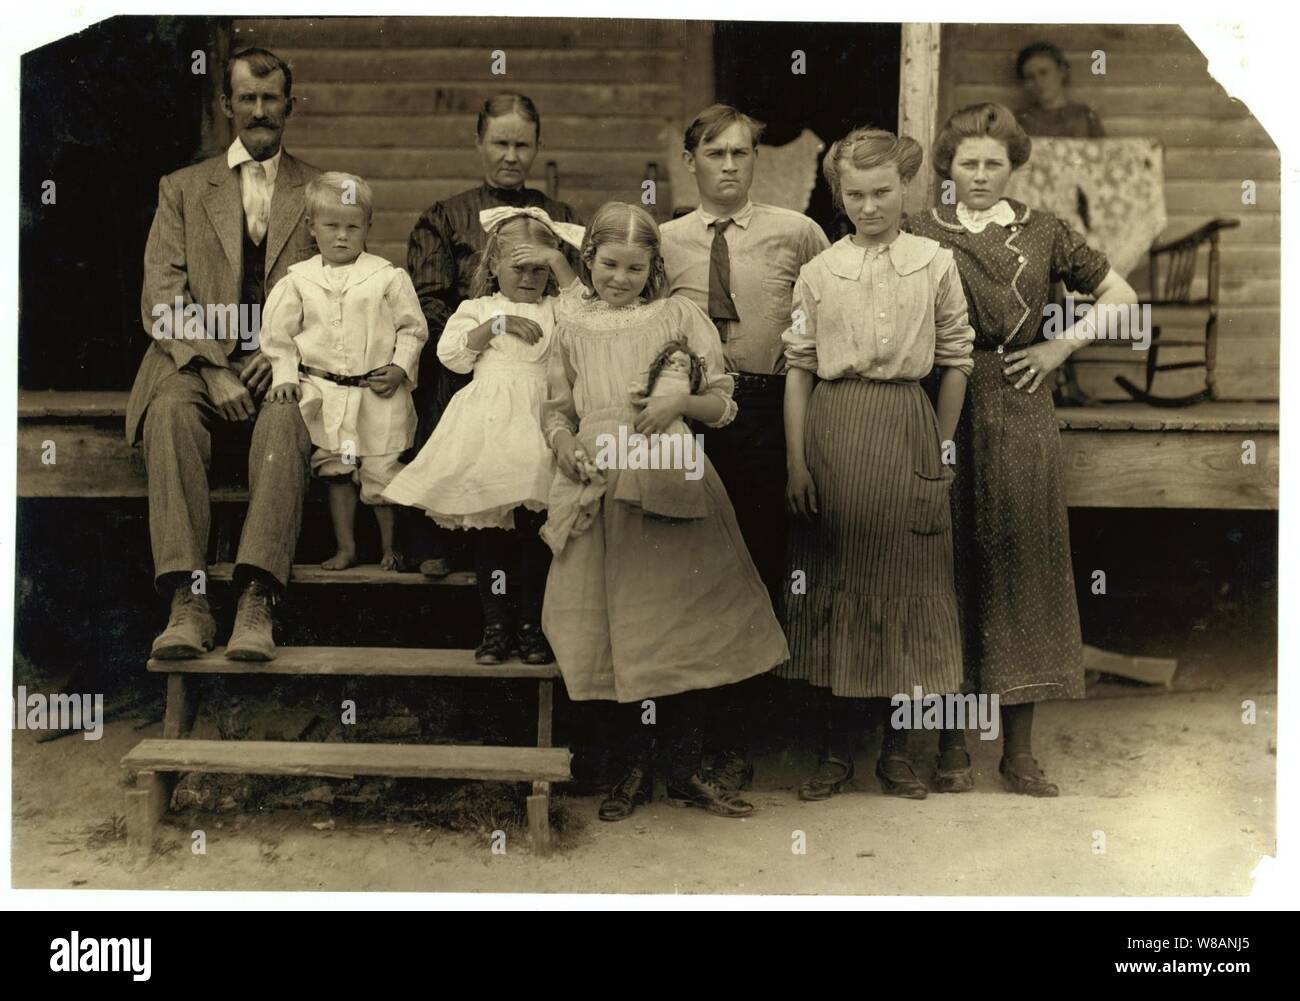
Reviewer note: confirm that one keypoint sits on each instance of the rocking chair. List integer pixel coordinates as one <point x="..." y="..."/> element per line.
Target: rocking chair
<point x="1176" y="262"/>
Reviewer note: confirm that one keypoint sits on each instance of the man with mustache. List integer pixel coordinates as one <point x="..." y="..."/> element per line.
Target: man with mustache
<point x="738" y="260"/>
<point x="226" y="230"/>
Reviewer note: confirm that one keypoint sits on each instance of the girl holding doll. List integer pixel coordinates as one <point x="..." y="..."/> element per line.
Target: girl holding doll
<point x="642" y="608"/>
<point x="868" y="482"/>
<point x="487" y="468"/>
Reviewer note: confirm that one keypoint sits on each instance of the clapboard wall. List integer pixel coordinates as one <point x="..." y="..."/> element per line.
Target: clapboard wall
<point x="394" y="99"/>
<point x="1156" y="84"/>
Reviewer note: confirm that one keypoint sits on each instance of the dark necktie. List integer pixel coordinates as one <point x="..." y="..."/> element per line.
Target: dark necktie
<point x="721" y="306"/>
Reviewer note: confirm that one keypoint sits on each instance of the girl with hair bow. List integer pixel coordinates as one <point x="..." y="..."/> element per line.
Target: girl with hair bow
<point x="487" y="467"/>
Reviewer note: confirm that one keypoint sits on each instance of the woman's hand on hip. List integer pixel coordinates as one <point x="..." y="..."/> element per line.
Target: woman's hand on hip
<point x="1028" y="367"/>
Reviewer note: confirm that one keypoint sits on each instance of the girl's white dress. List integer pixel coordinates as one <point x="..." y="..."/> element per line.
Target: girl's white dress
<point x="488" y="455"/>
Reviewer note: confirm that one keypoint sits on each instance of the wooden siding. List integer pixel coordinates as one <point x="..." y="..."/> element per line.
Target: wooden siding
<point x="394" y="99"/>
<point x="1156" y="84"/>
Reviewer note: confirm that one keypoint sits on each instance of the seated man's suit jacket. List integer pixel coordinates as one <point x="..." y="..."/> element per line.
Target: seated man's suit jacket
<point x="195" y="251"/>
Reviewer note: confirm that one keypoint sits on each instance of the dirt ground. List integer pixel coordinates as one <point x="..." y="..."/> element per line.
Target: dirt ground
<point x="1180" y="788"/>
<point x="1183" y="792"/>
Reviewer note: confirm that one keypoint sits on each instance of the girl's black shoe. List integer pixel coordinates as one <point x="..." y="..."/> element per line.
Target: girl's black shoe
<point x="1021" y="774"/>
<point x="898" y="777"/>
<point x="633" y="790"/>
<point x="950" y="775"/>
<point x="532" y="645"/>
<point x="708" y="795"/>
<point x="496" y="646"/>
<point x="831" y="774"/>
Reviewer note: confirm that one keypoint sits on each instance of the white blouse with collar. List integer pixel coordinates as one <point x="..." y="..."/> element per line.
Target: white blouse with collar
<point x="890" y="313"/>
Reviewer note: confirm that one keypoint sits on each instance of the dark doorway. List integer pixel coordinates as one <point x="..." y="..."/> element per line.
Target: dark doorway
<point x="851" y="79"/>
<point x="104" y="114"/>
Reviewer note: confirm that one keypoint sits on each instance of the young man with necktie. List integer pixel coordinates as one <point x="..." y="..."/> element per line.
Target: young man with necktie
<point x="738" y="260"/>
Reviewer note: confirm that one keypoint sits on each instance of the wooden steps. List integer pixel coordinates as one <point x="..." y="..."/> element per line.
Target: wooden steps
<point x="366" y="573"/>
<point x="156" y="764"/>
<point x="361" y="662"/>
<point x="348" y="760"/>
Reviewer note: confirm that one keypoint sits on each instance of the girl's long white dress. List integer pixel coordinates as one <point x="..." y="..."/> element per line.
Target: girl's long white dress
<point x="487" y="455"/>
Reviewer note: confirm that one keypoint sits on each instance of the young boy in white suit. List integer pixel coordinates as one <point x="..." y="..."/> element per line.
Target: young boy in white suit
<point x="344" y="332"/>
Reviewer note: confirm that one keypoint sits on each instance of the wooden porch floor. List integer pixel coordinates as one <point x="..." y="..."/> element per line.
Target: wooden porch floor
<point x="1117" y="455"/>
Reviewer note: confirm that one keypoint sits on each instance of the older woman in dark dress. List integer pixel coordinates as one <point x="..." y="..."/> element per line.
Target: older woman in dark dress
<point x="442" y="255"/>
<point x="1015" y="583"/>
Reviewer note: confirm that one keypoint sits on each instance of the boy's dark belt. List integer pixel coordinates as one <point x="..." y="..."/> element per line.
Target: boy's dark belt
<point x="754" y="383"/>
<point x="342" y="380"/>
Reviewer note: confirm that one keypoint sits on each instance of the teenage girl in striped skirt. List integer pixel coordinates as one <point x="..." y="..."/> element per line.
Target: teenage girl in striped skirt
<point x="873" y="612"/>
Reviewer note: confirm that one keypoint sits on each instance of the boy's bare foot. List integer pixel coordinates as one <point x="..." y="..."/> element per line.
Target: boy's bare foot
<point x="341" y="560"/>
<point x="389" y="561"/>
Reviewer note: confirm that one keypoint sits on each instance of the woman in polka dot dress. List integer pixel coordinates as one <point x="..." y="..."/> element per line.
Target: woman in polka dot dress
<point x="1015" y="583"/>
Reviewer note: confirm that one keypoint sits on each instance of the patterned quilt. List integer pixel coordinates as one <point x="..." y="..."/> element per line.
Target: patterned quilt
<point x="1111" y="190"/>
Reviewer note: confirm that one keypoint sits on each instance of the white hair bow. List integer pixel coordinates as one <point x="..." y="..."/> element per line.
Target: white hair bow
<point x="569" y="232"/>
